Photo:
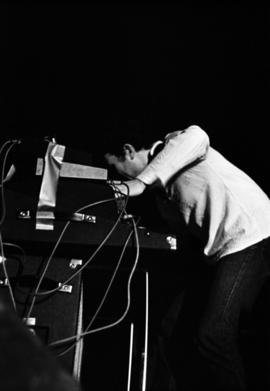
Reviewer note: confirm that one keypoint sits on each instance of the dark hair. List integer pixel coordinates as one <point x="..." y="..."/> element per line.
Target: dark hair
<point x="130" y="131"/>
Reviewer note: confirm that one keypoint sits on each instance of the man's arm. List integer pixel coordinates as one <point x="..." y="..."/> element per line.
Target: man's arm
<point x="131" y="188"/>
<point x="181" y="149"/>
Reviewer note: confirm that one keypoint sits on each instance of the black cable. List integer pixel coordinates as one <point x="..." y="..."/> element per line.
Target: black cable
<point x="86" y="263"/>
<point x="36" y="293"/>
<point x="123" y="211"/>
<point x="107" y="290"/>
<point x="3" y="146"/>
<point x="103" y="299"/>
<point x="16" y="246"/>
<point x="3" y="202"/>
<point x="6" y="273"/>
<point x="87" y="331"/>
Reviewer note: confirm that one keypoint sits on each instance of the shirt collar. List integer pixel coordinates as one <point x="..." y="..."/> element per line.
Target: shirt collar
<point x="155" y="149"/>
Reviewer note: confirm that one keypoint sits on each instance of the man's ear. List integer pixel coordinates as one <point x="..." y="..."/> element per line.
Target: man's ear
<point x="129" y="151"/>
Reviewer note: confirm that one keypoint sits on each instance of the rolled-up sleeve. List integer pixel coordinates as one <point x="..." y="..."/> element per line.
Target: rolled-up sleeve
<point x="181" y="149"/>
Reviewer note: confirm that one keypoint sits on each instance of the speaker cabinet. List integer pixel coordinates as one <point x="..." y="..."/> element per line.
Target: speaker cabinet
<point x="54" y="316"/>
<point x="25" y="364"/>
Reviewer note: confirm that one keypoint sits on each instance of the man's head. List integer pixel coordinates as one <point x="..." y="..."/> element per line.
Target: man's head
<point x="130" y="162"/>
<point x="126" y="149"/>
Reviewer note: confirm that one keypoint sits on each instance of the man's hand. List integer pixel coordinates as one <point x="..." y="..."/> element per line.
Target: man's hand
<point x="132" y="188"/>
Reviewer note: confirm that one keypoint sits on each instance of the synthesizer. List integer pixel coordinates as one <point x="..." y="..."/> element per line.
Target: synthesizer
<point x="86" y="229"/>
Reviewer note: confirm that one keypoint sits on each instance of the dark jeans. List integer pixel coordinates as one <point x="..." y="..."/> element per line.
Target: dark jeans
<point x="204" y="332"/>
<point x="237" y="282"/>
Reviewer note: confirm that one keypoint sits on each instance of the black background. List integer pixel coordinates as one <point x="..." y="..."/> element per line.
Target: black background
<point x="68" y="67"/>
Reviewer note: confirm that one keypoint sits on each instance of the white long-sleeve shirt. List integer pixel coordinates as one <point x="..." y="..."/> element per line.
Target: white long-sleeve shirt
<point x="216" y="201"/>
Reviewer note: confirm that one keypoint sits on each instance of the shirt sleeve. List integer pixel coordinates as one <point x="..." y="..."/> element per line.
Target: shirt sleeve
<point x="181" y="149"/>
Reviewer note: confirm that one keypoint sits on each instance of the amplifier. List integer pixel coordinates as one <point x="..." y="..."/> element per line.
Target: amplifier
<point x="54" y="316"/>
